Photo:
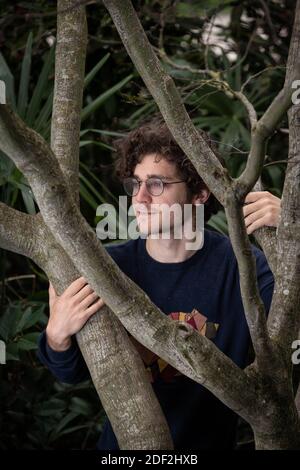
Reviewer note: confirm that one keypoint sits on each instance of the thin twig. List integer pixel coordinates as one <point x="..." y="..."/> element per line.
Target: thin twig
<point x="272" y="67"/>
<point x="162" y="53"/>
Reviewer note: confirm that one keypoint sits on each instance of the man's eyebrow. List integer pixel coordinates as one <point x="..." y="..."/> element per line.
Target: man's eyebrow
<point x="158" y="176"/>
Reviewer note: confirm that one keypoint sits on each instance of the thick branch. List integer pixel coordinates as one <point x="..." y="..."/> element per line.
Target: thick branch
<point x="69" y="77"/>
<point x="180" y="345"/>
<point x="297" y="400"/>
<point x="259" y="136"/>
<point x="284" y="320"/>
<point x="108" y="352"/>
<point x="167" y="97"/>
<point x="273" y="115"/>
<point x="253" y="305"/>
<point x="113" y="361"/>
<point x="249" y="107"/>
<point x="284" y="306"/>
<point x="18" y="232"/>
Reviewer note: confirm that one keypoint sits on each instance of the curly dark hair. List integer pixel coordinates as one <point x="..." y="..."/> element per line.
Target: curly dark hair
<point x="155" y="137"/>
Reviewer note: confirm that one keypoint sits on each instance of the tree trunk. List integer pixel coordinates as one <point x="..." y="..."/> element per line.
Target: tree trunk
<point x="262" y="394"/>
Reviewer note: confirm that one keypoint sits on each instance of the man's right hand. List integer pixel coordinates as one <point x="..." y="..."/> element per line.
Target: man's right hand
<point x="69" y="312"/>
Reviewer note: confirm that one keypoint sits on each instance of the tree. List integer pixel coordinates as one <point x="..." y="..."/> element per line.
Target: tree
<point x="61" y="231"/>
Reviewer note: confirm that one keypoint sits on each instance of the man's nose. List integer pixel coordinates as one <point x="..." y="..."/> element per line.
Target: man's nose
<point x="143" y="194"/>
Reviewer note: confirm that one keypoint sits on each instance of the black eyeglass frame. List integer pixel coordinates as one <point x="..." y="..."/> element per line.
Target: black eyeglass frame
<point x="156" y="178"/>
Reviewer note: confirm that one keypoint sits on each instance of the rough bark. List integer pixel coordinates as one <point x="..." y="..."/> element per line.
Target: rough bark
<point x="70" y="55"/>
<point x="263" y="393"/>
<point x="297" y="400"/>
<point x="17" y="231"/>
<point x="102" y="357"/>
<point x="284" y="325"/>
<point x="129" y="407"/>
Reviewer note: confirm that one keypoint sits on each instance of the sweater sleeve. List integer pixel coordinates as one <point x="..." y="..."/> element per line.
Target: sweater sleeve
<point x="67" y="366"/>
<point x="265" y="278"/>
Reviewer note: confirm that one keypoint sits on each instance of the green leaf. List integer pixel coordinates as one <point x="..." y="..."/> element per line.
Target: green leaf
<point x="91" y="187"/>
<point x="70" y="430"/>
<point x="25" y="77"/>
<point x="12" y="352"/>
<point x="89" y="77"/>
<point x="92" y="107"/>
<point x="24" y="319"/>
<point x="140" y="113"/>
<point x="7" y="166"/>
<point x="28" y="201"/>
<point x="274" y="174"/>
<point x="52" y="406"/>
<point x="28" y="342"/>
<point x="83" y="143"/>
<point x="85" y="194"/>
<point x="86" y="168"/>
<point x="80" y="406"/>
<point x="31" y="317"/>
<point x="65" y="421"/>
<point x="9" y="321"/>
<point x="245" y="134"/>
<point x="20" y="182"/>
<point x="218" y="222"/>
<point x="43" y="120"/>
<point x="102" y="132"/>
<point x="276" y="192"/>
<point x="41" y="86"/>
<point x="185" y="10"/>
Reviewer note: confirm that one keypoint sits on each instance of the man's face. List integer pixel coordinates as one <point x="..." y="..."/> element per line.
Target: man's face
<point x="151" y="218"/>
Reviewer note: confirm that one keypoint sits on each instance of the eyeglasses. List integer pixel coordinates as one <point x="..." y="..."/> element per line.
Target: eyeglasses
<point x="155" y="186"/>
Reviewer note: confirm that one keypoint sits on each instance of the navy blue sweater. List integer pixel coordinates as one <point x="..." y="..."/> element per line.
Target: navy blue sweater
<point x="209" y="282"/>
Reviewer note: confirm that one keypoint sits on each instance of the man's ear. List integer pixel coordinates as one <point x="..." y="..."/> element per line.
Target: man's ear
<point x="201" y="197"/>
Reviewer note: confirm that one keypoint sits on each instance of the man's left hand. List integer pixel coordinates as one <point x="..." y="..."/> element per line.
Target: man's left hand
<point x="261" y="209"/>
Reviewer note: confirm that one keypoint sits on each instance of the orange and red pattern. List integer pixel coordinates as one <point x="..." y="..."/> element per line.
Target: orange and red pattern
<point x="156" y="366"/>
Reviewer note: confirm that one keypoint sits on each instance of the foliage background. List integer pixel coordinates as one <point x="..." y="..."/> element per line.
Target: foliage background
<point x="246" y="37"/>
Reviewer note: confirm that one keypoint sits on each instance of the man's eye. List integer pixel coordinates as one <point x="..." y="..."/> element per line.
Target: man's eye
<point x="155" y="184"/>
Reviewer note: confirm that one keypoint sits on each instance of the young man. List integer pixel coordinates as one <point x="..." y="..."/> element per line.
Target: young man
<point x="200" y="286"/>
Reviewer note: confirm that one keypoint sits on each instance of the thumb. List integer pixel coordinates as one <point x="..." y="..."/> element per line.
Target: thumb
<point x="52" y="294"/>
